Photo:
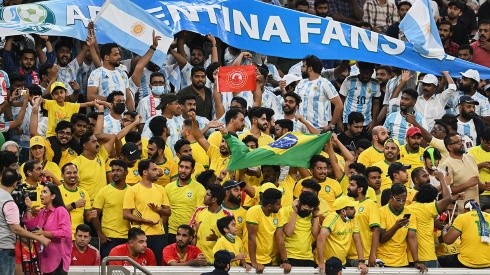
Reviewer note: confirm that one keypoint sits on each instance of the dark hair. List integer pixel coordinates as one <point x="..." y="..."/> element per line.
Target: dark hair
<point x="363" y="143"/>
<point x="367" y="25"/>
<point x="119" y="162"/>
<point x="397" y="189"/>
<point x="317" y="158"/>
<point x="76" y="117"/>
<point x="411" y="93"/>
<point x="485" y="134"/>
<point x="58" y="199"/>
<point x="62" y="43"/>
<point x="197" y="68"/>
<point x="83" y="228"/>
<point x="134" y="232"/>
<point x="427" y="193"/>
<point x="365" y="65"/>
<point x="275" y="168"/>
<point x="256" y="112"/>
<point x="35" y="90"/>
<point x="402" y="3"/>
<point x="157" y="125"/>
<point x="384" y="67"/>
<point x="84" y="138"/>
<point x="251" y="138"/>
<point x="436" y="153"/>
<point x="319" y="2"/>
<point x="373" y="169"/>
<point x="158" y="141"/>
<point x="416" y="172"/>
<point x="224" y="223"/>
<point x="310" y="199"/>
<point x="157" y="74"/>
<point x="92" y="115"/>
<point x="183" y="98"/>
<point x="311" y="184"/>
<point x="16" y="77"/>
<point x="232" y="114"/>
<point x="294" y="95"/>
<point x="466" y="47"/>
<point x="188" y="159"/>
<point x="359" y="167"/>
<point x="143" y="165"/>
<point x="385" y="196"/>
<point x="242" y="101"/>
<point x="188" y="228"/>
<point x="31" y="51"/>
<point x="302" y="3"/>
<point x="314" y="62"/>
<point x="269" y="113"/>
<point x="110" y="97"/>
<point x="270" y="196"/>
<point x="205" y="176"/>
<point x="180" y="143"/>
<point x="43" y="70"/>
<point x="485" y="21"/>
<point x="218" y="192"/>
<point x="10" y="177"/>
<point x="66" y="165"/>
<point x="355" y="117"/>
<point x="106" y="49"/>
<point x="447" y="139"/>
<point x="286" y="124"/>
<point x="62" y="125"/>
<point x="361" y="182"/>
<point x="29" y="165"/>
<point x="132" y="114"/>
<point x="446" y="22"/>
<point x="8" y="158"/>
<point x="133" y="136"/>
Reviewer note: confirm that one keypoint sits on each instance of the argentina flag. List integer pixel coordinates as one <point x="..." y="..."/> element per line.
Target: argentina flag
<point x="131" y="27"/>
<point x="420" y="29"/>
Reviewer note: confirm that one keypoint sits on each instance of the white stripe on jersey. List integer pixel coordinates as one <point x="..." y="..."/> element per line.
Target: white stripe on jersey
<point x="359" y="97"/>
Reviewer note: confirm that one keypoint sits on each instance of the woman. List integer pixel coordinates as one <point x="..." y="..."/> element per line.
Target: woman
<point x="52" y="222"/>
<point x="51" y="171"/>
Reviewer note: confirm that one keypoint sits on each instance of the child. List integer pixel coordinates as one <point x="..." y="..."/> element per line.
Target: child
<point x="230" y="241"/>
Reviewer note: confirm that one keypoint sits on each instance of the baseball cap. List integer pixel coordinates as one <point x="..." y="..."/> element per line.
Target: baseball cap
<point x="343" y="202"/>
<point x="290" y="78"/>
<point x="56" y="85"/>
<point x="166" y="99"/>
<point x="130" y="151"/>
<point x="267" y="185"/>
<point x="467" y="99"/>
<point x="430" y="79"/>
<point x="232" y="183"/>
<point x="397" y="167"/>
<point x="456" y="3"/>
<point x="333" y="264"/>
<point x="223" y="257"/>
<point x="472" y="74"/>
<point x="37" y="140"/>
<point x="412" y="131"/>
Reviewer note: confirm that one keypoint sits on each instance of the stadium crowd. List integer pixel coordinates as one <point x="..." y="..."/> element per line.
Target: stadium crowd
<point x="120" y="156"/>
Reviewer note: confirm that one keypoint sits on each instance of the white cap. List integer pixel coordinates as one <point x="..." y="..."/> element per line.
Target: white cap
<point x="290" y="78"/>
<point x="472" y="74"/>
<point x="430" y="79"/>
<point x="484" y="88"/>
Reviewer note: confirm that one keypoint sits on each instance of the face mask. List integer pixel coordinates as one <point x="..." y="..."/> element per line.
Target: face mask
<point x="230" y="237"/>
<point x="303" y="213"/>
<point x="158" y="90"/>
<point x="119" y="108"/>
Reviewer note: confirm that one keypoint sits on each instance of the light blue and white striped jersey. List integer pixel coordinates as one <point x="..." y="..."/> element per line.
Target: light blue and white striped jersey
<point x="174" y="126"/>
<point x="111" y="125"/>
<point x="483" y="109"/>
<point x="186" y="75"/>
<point x="390" y="88"/>
<point x="359" y="97"/>
<point x="144" y="107"/>
<point x="227" y="97"/>
<point x="297" y="125"/>
<point x="467" y="131"/>
<point x="69" y="73"/>
<point x="83" y="75"/>
<point x="316" y="96"/>
<point x="108" y="81"/>
<point x="397" y="125"/>
<point x="272" y="101"/>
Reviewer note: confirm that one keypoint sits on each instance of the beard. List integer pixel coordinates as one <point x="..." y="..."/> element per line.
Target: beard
<point x="304" y="75"/>
<point x="352" y="194"/>
<point x="235" y="200"/>
<point x="467" y="116"/>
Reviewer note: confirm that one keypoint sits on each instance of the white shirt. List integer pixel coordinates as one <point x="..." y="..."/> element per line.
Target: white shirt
<point x="433" y="108"/>
<point x="144" y="107"/>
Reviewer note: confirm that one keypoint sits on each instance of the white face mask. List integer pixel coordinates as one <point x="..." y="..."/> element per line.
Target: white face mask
<point x="158" y="90"/>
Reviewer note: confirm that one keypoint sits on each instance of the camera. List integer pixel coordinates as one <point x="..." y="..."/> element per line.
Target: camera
<point x="21" y="192"/>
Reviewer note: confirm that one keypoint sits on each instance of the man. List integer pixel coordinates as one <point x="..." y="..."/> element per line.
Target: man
<point x="470" y="125"/>
<point x="145" y="204"/>
<point x="112" y="121"/>
<point x="373" y="175"/>
<point x="318" y="94"/>
<point x="168" y="167"/>
<point x="136" y="248"/>
<point x="362" y="94"/>
<point x="397" y="172"/>
<point x="83" y="254"/>
<point x="374" y="153"/>
<point x="184" y="196"/>
<point x="481" y="47"/>
<point x="383" y="74"/>
<point x="463" y="170"/>
<point x="411" y="153"/>
<point x="349" y="12"/>
<point x="183" y="148"/>
<point x="380" y="14"/>
<point x="257" y="116"/>
<point x="109" y="77"/>
<point x="465" y="52"/>
<point x="192" y="255"/>
<point x="445" y="32"/>
<point x="130" y="154"/>
<point x="262" y="221"/>
<point x="321" y="8"/>
<point x="68" y="69"/>
<point x="113" y="228"/>
<point x="233" y="202"/>
<point x="396" y="123"/>
<point x="337" y="233"/>
<point x="481" y="154"/>
<point x="355" y="129"/>
<point x="300" y="225"/>
<point x="367" y="218"/>
<point x="398" y="231"/>
<point x="333" y="266"/>
<point x="431" y="105"/>
<point x="80" y="125"/>
<point x="222" y="263"/>
<point x="391" y="153"/>
<point x="234" y="123"/>
<point x="33" y="170"/>
<point x="204" y="96"/>
<point x="394" y="30"/>
<point x="290" y="109"/>
<point x="455" y="10"/>
<point x="204" y="220"/>
<point x="10" y="222"/>
<point x="147" y="105"/>
<point x="474" y="245"/>
<point x="76" y="199"/>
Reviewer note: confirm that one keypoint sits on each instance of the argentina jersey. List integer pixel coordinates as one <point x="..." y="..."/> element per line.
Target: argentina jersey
<point x="111" y="125"/>
<point x="397" y="125"/>
<point x="467" y="131"/>
<point x="69" y="73"/>
<point x="359" y="97"/>
<point x="108" y="81"/>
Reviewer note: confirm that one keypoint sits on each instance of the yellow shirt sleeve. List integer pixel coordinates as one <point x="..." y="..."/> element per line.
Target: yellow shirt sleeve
<point x="129" y="199"/>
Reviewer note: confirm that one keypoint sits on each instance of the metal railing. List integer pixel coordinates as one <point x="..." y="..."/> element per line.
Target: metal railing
<point x="135" y="265"/>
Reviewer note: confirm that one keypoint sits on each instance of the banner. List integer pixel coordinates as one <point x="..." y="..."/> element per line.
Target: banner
<point x="250" y="25"/>
<point x="237" y="78"/>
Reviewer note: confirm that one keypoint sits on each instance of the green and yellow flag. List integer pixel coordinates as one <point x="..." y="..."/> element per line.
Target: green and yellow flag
<point x="293" y="149"/>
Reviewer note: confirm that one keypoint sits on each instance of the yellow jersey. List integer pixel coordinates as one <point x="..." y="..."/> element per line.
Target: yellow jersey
<point x="263" y="139"/>
<point x="67" y="155"/>
<point x="47" y="165"/>
<point x="267" y="226"/>
<point x="415" y="159"/>
<point x="91" y="172"/>
<point x="330" y="189"/>
<point x="77" y="214"/>
<point x="110" y="200"/>
<point x="169" y="170"/>
<point x="340" y="238"/>
<point x="298" y="246"/>
<point x="367" y="218"/>
<point x="480" y="156"/>
<point x="425" y="214"/>
<point x="57" y="113"/>
<point x="236" y="247"/>
<point x="370" y="156"/>
<point x="217" y="162"/>
<point x="386" y="182"/>
<point x="199" y="154"/>
<point x="239" y="213"/>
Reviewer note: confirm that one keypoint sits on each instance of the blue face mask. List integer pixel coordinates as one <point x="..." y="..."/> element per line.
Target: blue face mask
<point x="158" y="90"/>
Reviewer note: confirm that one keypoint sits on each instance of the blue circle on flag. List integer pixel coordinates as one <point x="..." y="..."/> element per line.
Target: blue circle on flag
<point x="285" y="142"/>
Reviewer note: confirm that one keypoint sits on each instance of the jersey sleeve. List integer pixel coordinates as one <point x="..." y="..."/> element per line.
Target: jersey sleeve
<point x="374" y="219"/>
<point x="164" y="198"/>
<point x="252" y="216"/>
<point x="88" y="205"/>
<point x="458" y="224"/>
<point x="100" y="199"/>
<point x="344" y="88"/>
<point x="94" y="78"/>
<point x="129" y="199"/>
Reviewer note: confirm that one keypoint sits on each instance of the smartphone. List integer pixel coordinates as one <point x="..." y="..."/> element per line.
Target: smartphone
<point x="411" y="110"/>
<point x="407" y="216"/>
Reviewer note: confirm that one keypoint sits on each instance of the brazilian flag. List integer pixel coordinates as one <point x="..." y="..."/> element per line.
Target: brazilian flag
<point x="293" y="149"/>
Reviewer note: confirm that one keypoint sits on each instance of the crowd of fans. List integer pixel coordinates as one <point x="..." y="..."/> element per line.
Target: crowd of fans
<point x="127" y="157"/>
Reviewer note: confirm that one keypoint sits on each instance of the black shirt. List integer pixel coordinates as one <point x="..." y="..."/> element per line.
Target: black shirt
<point x="204" y="107"/>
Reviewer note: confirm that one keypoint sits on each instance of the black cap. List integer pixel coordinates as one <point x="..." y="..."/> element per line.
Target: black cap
<point x="457" y="3"/>
<point x="166" y="99"/>
<point x="447" y="119"/>
<point x="223" y="257"/>
<point x="396" y="167"/>
<point x="131" y="151"/>
<point x="467" y="99"/>
<point x="333" y="264"/>
<point x="210" y="70"/>
<point x="232" y="183"/>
